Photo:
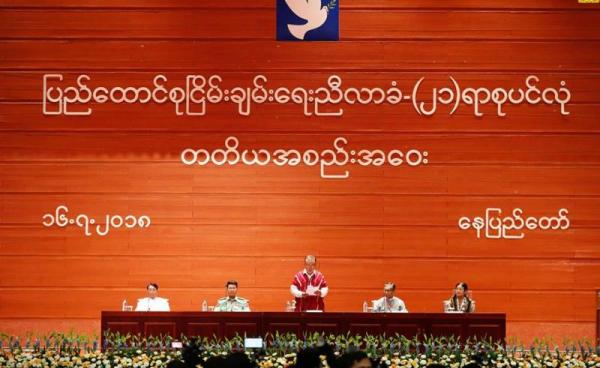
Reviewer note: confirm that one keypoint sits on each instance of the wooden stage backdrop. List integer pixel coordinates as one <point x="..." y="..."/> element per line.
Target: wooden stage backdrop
<point x="255" y="224"/>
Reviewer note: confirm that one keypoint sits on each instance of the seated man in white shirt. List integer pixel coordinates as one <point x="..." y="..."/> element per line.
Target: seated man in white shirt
<point x="153" y="303"/>
<point x="389" y="303"/>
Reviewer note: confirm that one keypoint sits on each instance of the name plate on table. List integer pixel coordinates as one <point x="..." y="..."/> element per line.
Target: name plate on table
<point x="253" y="343"/>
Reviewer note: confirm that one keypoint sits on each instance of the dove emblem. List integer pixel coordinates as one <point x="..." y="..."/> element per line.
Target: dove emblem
<point x="309" y="10"/>
<point x="315" y="14"/>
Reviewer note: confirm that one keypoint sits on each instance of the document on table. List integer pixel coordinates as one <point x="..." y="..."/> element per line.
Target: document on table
<point x="311" y="290"/>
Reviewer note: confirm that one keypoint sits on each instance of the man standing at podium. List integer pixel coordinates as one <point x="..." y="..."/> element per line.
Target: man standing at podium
<point x="309" y="287"/>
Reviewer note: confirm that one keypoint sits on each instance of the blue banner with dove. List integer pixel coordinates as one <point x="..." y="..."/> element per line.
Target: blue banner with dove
<point x="308" y="20"/>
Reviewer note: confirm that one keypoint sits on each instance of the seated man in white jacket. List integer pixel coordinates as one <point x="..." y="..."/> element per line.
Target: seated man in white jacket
<point x="153" y="303"/>
<point x="389" y="303"/>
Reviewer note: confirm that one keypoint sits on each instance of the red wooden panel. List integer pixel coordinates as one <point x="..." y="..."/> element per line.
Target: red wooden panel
<point x="287" y="120"/>
<point x="202" y="329"/>
<point x="495" y="151"/>
<point x="408" y="330"/>
<point x="527" y="332"/>
<point x="447" y="329"/>
<point x="292" y="209"/>
<point x="92" y="55"/>
<point x="350" y="4"/>
<point x="297" y="241"/>
<point x="283" y="328"/>
<point x="331" y="323"/>
<point x="26" y="86"/>
<point x="249" y="23"/>
<point x="159" y="328"/>
<point x="323" y="328"/>
<point x="175" y="178"/>
<point x="241" y="328"/>
<point x="484" y="330"/>
<point x="273" y="272"/>
<point x="125" y="328"/>
<point x="363" y="328"/>
<point x="256" y="224"/>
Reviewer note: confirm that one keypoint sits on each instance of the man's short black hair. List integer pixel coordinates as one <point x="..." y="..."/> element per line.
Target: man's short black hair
<point x="238" y="360"/>
<point x="349" y="359"/>
<point x="152" y="284"/>
<point x="176" y="364"/>
<point x="231" y="282"/>
<point x="214" y="362"/>
<point x="308" y="358"/>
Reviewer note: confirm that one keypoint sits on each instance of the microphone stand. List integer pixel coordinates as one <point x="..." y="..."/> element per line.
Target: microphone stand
<point x="318" y="296"/>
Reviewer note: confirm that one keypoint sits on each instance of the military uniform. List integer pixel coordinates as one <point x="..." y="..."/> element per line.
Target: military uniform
<point x="236" y="304"/>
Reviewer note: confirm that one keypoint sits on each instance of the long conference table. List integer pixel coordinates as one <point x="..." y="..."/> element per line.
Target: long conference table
<point x="256" y="324"/>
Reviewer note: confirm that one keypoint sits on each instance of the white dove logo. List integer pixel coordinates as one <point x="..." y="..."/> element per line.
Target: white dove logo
<point x="311" y="11"/>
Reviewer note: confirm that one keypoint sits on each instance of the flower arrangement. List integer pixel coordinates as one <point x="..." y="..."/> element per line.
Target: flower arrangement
<point x="123" y="351"/>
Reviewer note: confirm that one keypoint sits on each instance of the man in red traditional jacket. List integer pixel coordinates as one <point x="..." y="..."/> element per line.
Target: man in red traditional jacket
<point x="309" y="287"/>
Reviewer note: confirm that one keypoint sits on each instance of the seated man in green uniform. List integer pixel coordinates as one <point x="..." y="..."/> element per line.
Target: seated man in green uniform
<point x="232" y="302"/>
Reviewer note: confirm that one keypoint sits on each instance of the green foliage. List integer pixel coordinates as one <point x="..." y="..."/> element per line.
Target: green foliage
<point x="280" y="350"/>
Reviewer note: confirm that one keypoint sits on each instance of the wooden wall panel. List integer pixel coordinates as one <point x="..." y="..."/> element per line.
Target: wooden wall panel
<point x="403" y="119"/>
<point x="142" y="149"/>
<point x="295" y="241"/>
<point x="291" y="209"/>
<point x="256" y="223"/>
<point x="350" y="4"/>
<point x="172" y="178"/>
<point x="271" y="272"/>
<point x="20" y="86"/>
<point x="96" y="55"/>
<point x="253" y="24"/>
